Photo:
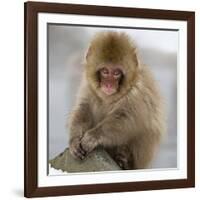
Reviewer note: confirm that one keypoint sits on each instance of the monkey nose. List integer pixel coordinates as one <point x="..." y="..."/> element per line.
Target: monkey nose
<point x="108" y="85"/>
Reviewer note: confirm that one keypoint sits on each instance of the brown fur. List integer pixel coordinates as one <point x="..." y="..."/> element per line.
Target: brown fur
<point x="128" y="124"/>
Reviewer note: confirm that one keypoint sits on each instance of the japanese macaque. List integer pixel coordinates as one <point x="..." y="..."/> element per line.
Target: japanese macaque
<point x="119" y="107"/>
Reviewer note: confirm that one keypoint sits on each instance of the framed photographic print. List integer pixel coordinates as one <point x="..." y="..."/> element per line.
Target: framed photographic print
<point x="109" y="99"/>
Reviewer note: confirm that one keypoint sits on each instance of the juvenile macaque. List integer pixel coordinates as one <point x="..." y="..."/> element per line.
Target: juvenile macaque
<point x="119" y="106"/>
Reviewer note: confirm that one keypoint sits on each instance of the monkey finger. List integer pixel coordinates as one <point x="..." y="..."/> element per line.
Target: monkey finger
<point x="87" y="148"/>
<point x="84" y="148"/>
<point x="81" y="150"/>
<point x="78" y="154"/>
<point x="75" y="151"/>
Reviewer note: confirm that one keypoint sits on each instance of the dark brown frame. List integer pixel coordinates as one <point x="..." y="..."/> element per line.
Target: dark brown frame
<point x="31" y="10"/>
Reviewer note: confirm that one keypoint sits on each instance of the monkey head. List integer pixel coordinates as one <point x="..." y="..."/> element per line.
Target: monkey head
<point x="111" y="64"/>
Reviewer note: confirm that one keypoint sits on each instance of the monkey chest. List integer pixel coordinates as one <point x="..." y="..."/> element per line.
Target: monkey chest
<point x="99" y="112"/>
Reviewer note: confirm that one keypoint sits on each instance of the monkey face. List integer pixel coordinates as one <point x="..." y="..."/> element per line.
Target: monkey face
<point x="111" y="65"/>
<point x="110" y="77"/>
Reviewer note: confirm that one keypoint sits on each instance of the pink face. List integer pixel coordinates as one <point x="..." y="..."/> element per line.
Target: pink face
<point x="109" y="79"/>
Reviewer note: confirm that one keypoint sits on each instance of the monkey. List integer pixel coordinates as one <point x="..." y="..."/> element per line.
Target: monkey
<point x="119" y="106"/>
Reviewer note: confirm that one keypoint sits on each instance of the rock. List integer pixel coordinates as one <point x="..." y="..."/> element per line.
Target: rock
<point x="98" y="160"/>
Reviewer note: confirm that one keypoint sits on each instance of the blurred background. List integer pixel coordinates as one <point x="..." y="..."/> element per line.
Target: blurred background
<point x="67" y="46"/>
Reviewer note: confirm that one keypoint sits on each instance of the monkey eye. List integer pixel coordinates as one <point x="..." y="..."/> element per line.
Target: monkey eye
<point x="104" y="71"/>
<point x="117" y="73"/>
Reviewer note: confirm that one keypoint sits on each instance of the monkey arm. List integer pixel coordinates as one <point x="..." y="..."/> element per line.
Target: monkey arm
<point x="81" y="121"/>
<point x="115" y="129"/>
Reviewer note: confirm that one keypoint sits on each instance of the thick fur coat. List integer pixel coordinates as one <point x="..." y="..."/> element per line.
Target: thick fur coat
<point x="128" y="124"/>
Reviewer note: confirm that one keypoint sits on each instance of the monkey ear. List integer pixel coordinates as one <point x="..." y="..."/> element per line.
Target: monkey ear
<point x="136" y="58"/>
<point x="88" y="53"/>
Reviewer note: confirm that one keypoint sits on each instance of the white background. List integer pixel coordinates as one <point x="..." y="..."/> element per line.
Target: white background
<point x="157" y="49"/>
<point x="11" y="100"/>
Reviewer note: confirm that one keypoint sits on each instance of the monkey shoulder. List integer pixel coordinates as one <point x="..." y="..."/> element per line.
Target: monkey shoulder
<point x="144" y="98"/>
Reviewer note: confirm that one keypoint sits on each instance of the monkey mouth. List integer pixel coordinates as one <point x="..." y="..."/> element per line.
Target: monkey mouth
<point x="108" y="90"/>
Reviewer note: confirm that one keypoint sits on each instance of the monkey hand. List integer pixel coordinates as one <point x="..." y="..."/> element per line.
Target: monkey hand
<point x="89" y="142"/>
<point x="75" y="148"/>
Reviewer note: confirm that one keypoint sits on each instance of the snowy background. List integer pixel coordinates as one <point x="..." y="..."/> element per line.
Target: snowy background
<point x="67" y="46"/>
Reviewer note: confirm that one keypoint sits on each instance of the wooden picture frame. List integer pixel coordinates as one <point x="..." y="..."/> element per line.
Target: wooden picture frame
<point x="31" y="187"/>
